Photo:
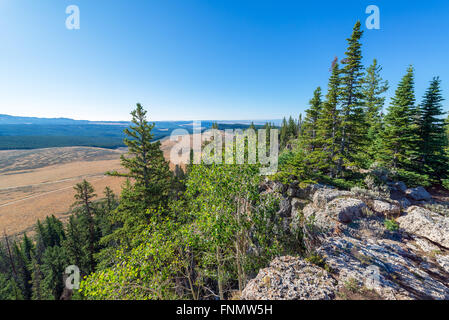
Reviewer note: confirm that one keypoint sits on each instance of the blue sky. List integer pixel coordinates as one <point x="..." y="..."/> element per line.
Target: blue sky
<point x="198" y="59"/>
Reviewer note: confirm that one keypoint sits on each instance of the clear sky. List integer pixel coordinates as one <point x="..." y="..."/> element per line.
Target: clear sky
<point x="202" y="59"/>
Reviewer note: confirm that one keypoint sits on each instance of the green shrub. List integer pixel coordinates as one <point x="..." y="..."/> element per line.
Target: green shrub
<point x="391" y="225"/>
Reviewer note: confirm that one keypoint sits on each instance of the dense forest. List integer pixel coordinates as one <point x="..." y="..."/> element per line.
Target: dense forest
<point x="203" y="231"/>
<point x="110" y="136"/>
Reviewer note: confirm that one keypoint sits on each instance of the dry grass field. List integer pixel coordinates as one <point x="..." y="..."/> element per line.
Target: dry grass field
<point x="38" y="183"/>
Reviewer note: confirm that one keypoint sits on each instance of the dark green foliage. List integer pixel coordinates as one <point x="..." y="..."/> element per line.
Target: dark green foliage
<point x="373" y="89"/>
<point x="84" y="206"/>
<point x="152" y="179"/>
<point x="328" y="123"/>
<point x="310" y="125"/>
<point x="432" y="131"/>
<point x="145" y="161"/>
<point x="400" y="137"/>
<point x="353" y="126"/>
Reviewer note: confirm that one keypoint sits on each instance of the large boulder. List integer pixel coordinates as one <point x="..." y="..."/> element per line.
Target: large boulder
<point x="386" y="208"/>
<point x="426" y="224"/>
<point x="324" y="195"/>
<point x="418" y="194"/>
<point x="345" y="210"/>
<point x="291" y="278"/>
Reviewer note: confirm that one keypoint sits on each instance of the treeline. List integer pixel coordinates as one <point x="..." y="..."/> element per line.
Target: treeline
<point x="39" y="142"/>
<point x="346" y="132"/>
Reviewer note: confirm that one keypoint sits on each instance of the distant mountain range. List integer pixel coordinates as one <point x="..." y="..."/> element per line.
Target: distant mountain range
<point x="8" y="119"/>
<point x="33" y="132"/>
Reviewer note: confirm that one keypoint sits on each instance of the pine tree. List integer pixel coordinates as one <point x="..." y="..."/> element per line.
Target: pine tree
<point x="251" y="126"/>
<point x="328" y="126"/>
<point x="353" y="128"/>
<point x="22" y="257"/>
<point x="432" y="133"/>
<point x="84" y="195"/>
<point x="292" y="128"/>
<point x="283" y="134"/>
<point x="373" y="89"/>
<point x="75" y="243"/>
<point x="300" y="123"/>
<point x="400" y="139"/>
<point x="310" y="125"/>
<point x="145" y="161"/>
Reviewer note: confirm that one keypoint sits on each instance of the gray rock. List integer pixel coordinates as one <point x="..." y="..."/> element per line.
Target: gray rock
<point x="443" y="261"/>
<point x="426" y="245"/>
<point x="291" y="278"/>
<point x="398" y="186"/>
<point x="345" y="210"/>
<point x="401" y="186"/>
<point x="298" y="203"/>
<point x="319" y="218"/>
<point x="426" y="224"/>
<point x="324" y="195"/>
<point x="386" y="266"/>
<point x="386" y="208"/>
<point x="418" y="194"/>
<point x="309" y="191"/>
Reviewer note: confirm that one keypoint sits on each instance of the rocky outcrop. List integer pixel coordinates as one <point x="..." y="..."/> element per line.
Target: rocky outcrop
<point x="347" y="233"/>
<point x="388" y="267"/>
<point x="290" y="278"/>
<point x="426" y="224"/>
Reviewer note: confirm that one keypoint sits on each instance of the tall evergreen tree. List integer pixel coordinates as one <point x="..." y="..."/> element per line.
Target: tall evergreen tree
<point x="353" y="128"/>
<point x="373" y="89"/>
<point x="75" y="245"/>
<point x="292" y="129"/>
<point x="300" y="123"/>
<point x="328" y="126"/>
<point x="150" y="180"/>
<point x="84" y="195"/>
<point x="400" y="139"/>
<point x="23" y="255"/>
<point x="283" y="134"/>
<point x="432" y="133"/>
<point x="310" y="125"/>
<point x="145" y="161"/>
